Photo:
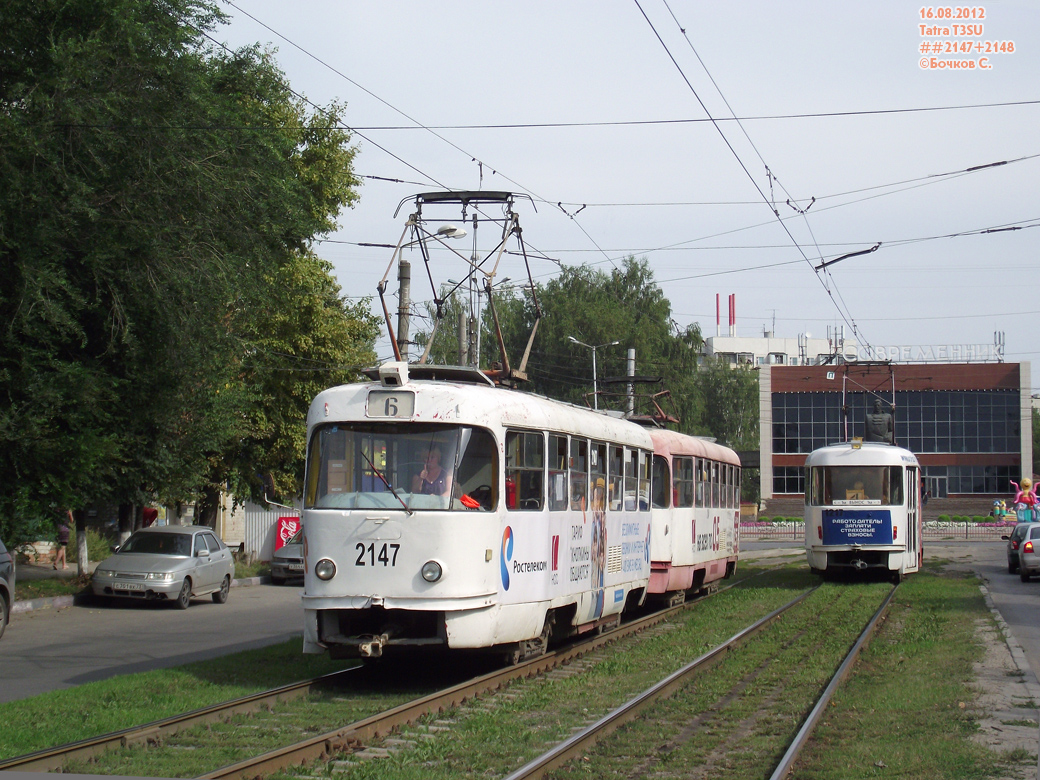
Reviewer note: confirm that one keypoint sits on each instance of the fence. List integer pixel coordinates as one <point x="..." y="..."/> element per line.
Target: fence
<point x="934" y="531"/>
<point x="261" y="527"/>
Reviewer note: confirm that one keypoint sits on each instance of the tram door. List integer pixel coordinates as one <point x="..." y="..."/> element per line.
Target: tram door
<point x="913" y="496"/>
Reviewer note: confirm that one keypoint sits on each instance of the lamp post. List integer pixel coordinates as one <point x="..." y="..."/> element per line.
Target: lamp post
<point x="595" y="391"/>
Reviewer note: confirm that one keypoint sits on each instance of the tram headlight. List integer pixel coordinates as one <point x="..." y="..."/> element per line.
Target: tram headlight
<point x="432" y="571"/>
<point x="325" y="569"/>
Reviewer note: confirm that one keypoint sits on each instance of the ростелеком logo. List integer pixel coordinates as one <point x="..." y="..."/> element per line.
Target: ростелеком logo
<point x="507" y="555"/>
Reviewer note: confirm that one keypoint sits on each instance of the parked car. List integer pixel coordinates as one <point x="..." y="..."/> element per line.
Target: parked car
<point x="1014" y="541"/>
<point x="168" y="562"/>
<point x="7" y="571"/>
<point x="287" y="561"/>
<point x="1029" y="553"/>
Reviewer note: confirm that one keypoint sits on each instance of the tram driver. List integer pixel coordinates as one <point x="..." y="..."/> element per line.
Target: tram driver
<point x="433" y="480"/>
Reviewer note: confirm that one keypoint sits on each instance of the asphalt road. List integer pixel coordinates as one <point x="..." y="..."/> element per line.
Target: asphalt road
<point x="48" y="649"/>
<point x="1018" y="602"/>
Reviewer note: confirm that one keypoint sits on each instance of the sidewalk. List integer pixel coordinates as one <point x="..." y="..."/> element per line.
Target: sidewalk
<point x="25" y="572"/>
<point x="28" y="572"/>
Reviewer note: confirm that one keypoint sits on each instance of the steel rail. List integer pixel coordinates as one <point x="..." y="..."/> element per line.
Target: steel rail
<point x="580" y="742"/>
<point x="51" y="759"/>
<point x="813" y="718"/>
<point x="54" y="758"/>
<point x="354" y="735"/>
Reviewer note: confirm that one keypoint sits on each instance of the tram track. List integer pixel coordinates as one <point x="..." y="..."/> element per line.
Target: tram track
<point x="337" y="740"/>
<point x="342" y="740"/>
<point x="561" y="760"/>
<point x="54" y="758"/>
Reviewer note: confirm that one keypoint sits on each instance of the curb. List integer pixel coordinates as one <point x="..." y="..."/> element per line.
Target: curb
<point x="87" y="597"/>
<point x="1017" y="654"/>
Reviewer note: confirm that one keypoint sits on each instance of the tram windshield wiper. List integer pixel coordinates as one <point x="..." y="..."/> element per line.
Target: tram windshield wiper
<point x="379" y="474"/>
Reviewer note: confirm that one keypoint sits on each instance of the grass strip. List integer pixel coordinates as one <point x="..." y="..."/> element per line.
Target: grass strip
<point x="905" y="712"/>
<point x="95" y="708"/>
<point x="522" y="722"/>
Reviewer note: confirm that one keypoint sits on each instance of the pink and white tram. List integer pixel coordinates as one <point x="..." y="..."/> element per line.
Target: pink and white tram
<point x="695" y="514"/>
<point x="452" y="513"/>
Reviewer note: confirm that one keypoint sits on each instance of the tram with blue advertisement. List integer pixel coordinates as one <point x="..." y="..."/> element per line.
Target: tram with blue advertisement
<point x="863" y="510"/>
<point x="443" y="511"/>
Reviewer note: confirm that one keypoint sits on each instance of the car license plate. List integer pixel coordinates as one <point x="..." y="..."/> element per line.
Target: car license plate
<point x="128" y="586"/>
<point x="295" y="567"/>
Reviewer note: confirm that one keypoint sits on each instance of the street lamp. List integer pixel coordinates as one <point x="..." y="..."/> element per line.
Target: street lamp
<point x="595" y="392"/>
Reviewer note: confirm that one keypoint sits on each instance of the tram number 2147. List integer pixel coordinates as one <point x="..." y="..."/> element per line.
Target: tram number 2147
<point x="370" y="555"/>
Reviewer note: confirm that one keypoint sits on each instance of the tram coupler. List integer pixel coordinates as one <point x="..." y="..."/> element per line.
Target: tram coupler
<point x="372" y="646"/>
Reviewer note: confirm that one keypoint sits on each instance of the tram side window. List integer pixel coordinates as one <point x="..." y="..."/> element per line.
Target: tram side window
<point x="661" y="481"/>
<point x="714" y="484"/>
<point x="644" y="480"/>
<point x="525" y="468"/>
<point x="631" y="479"/>
<point x="683" y="481"/>
<point x="557" y="473"/>
<point x="615" y="477"/>
<point x="701" y="475"/>
<point x="895" y="481"/>
<point x="598" y="476"/>
<point x="478" y="459"/>
<point x="579" y="469"/>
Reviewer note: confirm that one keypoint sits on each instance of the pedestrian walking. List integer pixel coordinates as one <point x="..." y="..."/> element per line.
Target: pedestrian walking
<point x="64" y="530"/>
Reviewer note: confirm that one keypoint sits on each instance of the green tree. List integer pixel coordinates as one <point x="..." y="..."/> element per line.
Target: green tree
<point x="307" y="339"/>
<point x="152" y="189"/>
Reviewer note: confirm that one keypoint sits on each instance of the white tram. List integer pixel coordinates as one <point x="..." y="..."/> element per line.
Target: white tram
<point x="695" y="514"/>
<point x="862" y="509"/>
<point x="449" y="512"/>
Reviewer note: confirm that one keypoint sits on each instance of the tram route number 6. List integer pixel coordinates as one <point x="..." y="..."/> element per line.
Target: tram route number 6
<point x="393" y="404"/>
<point x="383" y="556"/>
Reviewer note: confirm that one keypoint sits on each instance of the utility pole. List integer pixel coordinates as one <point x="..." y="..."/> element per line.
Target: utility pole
<point x="631" y="387"/>
<point x="404" y="275"/>
<point x="463" y="340"/>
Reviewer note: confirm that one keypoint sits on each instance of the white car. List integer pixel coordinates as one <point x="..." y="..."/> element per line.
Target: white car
<point x="168" y="563"/>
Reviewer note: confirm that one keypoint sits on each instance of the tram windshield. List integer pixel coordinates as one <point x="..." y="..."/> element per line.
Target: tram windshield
<point x="854" y="485"/>
<point x="390" y="466"/>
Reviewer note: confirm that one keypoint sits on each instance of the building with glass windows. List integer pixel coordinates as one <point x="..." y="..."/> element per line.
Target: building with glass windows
<point x="969" y="424"/>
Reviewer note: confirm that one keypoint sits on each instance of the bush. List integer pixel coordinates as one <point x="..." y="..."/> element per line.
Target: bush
<point x="99" y="546"/>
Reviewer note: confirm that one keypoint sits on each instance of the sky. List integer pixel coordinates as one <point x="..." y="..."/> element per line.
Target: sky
<point x="734" y="146"/>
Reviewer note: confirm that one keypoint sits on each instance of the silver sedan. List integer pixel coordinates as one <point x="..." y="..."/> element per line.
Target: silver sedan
<point x="170" y="563"/>
<point x="1029" y="553"/>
